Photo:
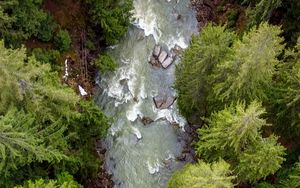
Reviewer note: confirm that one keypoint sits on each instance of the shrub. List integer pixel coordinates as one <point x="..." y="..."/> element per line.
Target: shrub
<point x="105" y="63"/>
<point x="46" y="30"/>
<point x="63" y="40"/>
<point x="46" y="55"/>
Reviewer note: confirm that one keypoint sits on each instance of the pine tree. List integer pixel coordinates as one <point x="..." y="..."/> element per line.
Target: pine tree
<point x="193" y="74"/>
<point x="64" y="180"/>
<point x="230" y="131"/>
<point x="112" y="16"/>
<point x="52" y="127"/>
<point x="235" y="135"/>
<point x="20" y="144"/>
<point x="260" y="160"/>
<point x="262" y="11"/>
<point x="293" y="177"/>
<point x="214" y="175"/>
<point x="248" y="74"/>
<point x="285" y="99"/>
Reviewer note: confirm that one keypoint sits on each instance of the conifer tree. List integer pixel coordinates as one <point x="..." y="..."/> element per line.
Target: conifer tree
<point x="235" y="135"/>
<point x="231" y="131"/>
<point x="201" y="174"/>
<point x="194" y="73"/>
<point x="260" y="160"/>
<point x="248" y="74"/>
<point x="286" y="100"/>
<point x="20" y="143"/>
<point x="293" y="177"/>
<point x="262" y="11"/>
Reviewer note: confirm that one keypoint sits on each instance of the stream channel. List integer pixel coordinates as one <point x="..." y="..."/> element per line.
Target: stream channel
<point x="138" y="155"/>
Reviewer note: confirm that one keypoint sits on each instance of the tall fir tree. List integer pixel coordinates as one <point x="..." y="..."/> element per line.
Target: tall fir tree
<point x="249" y="72"/>
<point x="194" y="73"/>
<point x="201" y="174"/>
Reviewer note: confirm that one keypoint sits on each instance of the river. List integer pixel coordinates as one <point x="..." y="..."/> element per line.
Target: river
<point x="144" y="156"/>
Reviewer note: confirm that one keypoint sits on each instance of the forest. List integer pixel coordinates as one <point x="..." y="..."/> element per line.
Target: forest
<point x="240" y="80"/>
<point x="48" y="132"/>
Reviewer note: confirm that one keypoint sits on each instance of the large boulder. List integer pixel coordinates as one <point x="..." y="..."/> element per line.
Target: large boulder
<point x="147" y="120"/>
<point x="153" y="61"/>
<point x="167" y="62"/>
<point x="156" y="51"/>
<point x="163" y="55"/>
<point x="162" y="102"/>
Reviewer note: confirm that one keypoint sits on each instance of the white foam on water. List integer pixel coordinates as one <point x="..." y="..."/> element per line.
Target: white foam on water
<point x="146" y="20"/>
<point x="172" y="115"/>
<point x="137" y="133"/>
<point x="133" y="113"/>
<point x="153" y="168"/>
<point x="143" y="93"/>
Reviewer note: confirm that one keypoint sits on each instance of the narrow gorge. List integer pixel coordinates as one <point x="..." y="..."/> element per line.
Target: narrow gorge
<point x="144" y="142"/>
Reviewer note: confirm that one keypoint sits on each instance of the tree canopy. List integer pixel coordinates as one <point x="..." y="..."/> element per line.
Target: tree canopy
<point x="201" y="174"/>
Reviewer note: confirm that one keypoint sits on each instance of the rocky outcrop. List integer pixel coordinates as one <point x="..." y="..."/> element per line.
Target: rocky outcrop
<point x="147" y="120"/>
<point x="156" y="51"/>
<point x="167" y="62"/>
<point x="161" y="58"/>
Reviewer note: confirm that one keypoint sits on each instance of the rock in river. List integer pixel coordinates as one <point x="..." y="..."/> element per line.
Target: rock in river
<point x="163" y="102"/>
<point x="167" y="62"/>
<point x="156" y="51"/>
<point x="163" y="55"/>
<point x="146" y="120"/>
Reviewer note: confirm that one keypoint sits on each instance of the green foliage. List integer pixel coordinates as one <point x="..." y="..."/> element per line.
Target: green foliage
<point x="215" y="175"/>
<point x="20" y="144"/>
<point x="291" y="24"/>
<point x="262" y="11"/>
<point x="45" y="128"/>
<point x="63" y="40"/>
<point x="248" y="73"/>
<point x="235" y="135"/>
<point x="194" y="74"/>
<point x="46" y="29"/>
<point x="63" y="180"/>
<point x="230" y="130"/>
<point x="45" y="55"/>
<point x="105" y="63"/>
<point x="232" y="18"/>
<point x="293" y="178"/>
<point x="286" y="101"/>
<point x="111" y="16"/>
<point x="21" y="19"/>
<point x="260" y="160"/>
<point x="263" y="185"/>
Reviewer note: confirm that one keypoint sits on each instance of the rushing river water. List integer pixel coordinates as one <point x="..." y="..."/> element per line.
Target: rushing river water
<point x="142" y="156"/>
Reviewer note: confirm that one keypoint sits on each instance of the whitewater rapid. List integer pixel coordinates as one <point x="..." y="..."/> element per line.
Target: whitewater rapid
<point x="142" y="156"/>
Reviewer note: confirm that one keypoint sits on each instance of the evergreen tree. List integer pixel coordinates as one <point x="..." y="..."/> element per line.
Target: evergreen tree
<point x="235" y="135"/>
<point x="64" y="180"/>
<point x="23" y="21"/>
<point x="20" y="144"/>
<point x="260" y="160"/>
<point x="285" y="99"/>
<point x="52" y="127"/>
<point x="262" y="11"/>
<point x="215" y="175"/>
<point x="112" y="16"/>
<point x="293" y="178"/>
<point x="194" y="73"/>
<point x="230" y="131"/>
<point x="248" y="74"/>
